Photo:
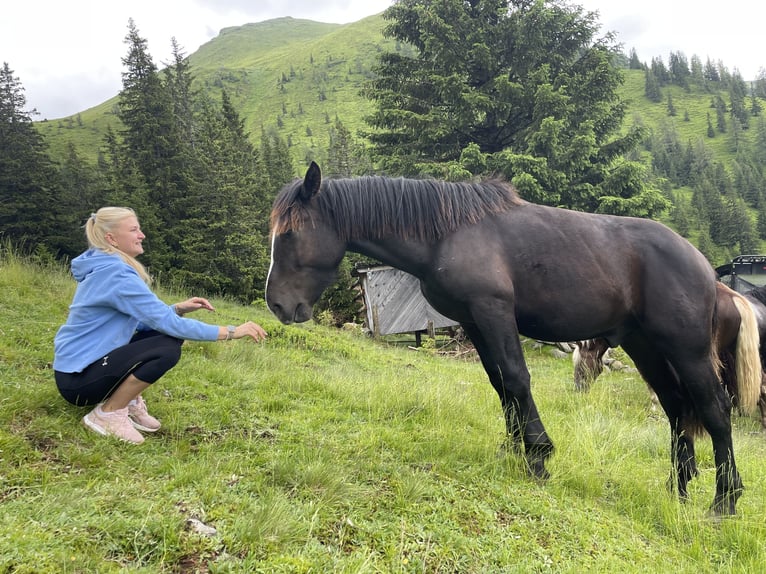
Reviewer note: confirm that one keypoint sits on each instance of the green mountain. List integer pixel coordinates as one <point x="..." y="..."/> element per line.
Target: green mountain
<point x="290" y="74"/>
<point x="298" y="76"/>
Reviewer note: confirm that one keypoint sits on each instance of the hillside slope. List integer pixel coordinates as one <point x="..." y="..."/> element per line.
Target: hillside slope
<point x="321" y="450"/>
<point x="293" y="75"/>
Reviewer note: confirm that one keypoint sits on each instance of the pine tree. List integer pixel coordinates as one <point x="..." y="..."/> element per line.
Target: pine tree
<point x="651" y="86"/>
<point x="737" y="95"/>
<point x="660" y="71"/>
<point x="29" y="200"/>
<point x="705" y="244"/>
<point x="529" y="83"/>
<point x="710" y="72"/>
<point x="745" y="234"/>
<point x="761" y="218"/>
<point x="681" y="216"/>
<point x="698" y="75"/>
<point x="755" y="104"/>
<point x="759" y="86"/>
<point x="158" y="138"/>
<point x="345" y="157"/>
<point x="82" y="192"/>
<point x="671" y="107"/>
<point x="720" y="114"/>
<point x="275" y="154"/>
<point x="679" y="69"/>
<point x="222" y="248"/>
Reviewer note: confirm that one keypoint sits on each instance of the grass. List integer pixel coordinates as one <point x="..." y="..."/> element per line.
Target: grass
<point x="324" y="451"/>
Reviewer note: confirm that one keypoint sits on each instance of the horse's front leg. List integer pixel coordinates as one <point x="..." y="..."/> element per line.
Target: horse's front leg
<point x="502" y="359"/>
<point x="513" y="427"/>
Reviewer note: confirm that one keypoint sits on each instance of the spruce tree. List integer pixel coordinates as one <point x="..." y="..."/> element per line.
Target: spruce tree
<point x="151" y="140"/>
<point x="529" y="83"/>
<point x="761" y="218"/>
<point x="82" y="188"/>
<point x="30" y="206"/>
<point x="651" y="86"/>
<point x="222" y="248"/>
<point x="672" y="112"/>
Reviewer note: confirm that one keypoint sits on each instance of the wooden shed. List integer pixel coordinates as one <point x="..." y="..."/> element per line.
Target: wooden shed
<point x="394" y="303"/>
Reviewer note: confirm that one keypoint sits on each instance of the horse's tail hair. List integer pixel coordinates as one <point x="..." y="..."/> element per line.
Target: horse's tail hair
<point x="748" y="359"/>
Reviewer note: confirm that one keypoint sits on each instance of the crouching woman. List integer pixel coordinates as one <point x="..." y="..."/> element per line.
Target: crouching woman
<point x="119" y="337"/>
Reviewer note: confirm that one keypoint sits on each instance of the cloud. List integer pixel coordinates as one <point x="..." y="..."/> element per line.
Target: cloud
<point x="68" y="55"/>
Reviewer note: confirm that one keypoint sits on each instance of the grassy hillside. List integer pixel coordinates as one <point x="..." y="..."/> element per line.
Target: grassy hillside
<point x="691" y="120"/>
<point x="323" y="451"/>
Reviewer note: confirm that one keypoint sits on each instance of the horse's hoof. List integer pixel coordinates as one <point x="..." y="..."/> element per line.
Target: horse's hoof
<point x="537" y="470"/>
<point x="725" y="506"/>
<point x="510" y="447"/>
<point x="716" y="516"/>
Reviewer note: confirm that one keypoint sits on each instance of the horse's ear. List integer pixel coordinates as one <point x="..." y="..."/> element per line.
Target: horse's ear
<point x="311" y="182"/>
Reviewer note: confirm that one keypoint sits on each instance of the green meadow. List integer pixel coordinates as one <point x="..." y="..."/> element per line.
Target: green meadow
<point x="323" y="450"/>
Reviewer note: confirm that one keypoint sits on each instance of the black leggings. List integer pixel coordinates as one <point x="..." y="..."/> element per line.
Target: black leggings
<point x="148" y="356"/>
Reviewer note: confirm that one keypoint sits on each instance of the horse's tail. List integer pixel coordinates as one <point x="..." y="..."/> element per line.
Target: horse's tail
<point x="748" y="359"/>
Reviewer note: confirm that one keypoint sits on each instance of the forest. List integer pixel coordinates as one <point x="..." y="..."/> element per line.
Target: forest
<point x="525" y="90"/>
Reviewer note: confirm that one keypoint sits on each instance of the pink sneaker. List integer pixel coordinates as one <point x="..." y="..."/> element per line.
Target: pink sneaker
<point x="116" y="424"/>
<point x="140" y="417"/>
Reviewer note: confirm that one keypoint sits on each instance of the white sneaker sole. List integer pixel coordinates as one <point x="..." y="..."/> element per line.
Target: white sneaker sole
<point x="139" y="426"/>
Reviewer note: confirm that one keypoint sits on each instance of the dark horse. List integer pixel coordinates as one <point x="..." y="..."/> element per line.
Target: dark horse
<point x="740" y="327"/>
<point x="501" y="267"/>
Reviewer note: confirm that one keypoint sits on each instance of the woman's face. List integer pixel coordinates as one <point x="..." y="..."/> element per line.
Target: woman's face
<point x="127" y="237"/>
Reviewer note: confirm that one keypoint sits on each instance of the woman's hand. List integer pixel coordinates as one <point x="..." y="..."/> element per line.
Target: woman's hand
<point x="249" y="329"/>
<point x="193" y="304"/>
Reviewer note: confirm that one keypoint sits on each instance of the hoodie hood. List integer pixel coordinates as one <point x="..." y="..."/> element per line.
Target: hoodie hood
<point x="91" y="261"/>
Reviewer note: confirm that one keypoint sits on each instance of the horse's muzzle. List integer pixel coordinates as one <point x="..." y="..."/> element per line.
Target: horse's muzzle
<point x="298" y="314"/>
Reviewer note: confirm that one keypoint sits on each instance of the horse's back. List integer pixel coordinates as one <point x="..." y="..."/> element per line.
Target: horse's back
<point x="576" y="275"/>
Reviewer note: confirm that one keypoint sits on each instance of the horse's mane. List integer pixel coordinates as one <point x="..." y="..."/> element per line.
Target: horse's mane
<point x="375" y="206"/>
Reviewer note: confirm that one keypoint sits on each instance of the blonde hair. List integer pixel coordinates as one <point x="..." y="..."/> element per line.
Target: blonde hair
<point x="104" y="221"/>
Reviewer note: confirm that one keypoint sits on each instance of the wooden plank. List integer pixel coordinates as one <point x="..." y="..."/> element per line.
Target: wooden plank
<point x="395" y="303"/>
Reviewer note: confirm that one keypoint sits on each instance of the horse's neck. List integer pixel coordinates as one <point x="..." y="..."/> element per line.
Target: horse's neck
<point x="410" y="256"/>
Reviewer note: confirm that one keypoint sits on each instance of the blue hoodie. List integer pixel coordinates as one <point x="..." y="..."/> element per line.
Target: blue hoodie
<point x="110" y="304"/>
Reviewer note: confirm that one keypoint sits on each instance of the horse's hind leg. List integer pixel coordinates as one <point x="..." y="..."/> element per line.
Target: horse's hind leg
<point x="522" y="421"/>
<point x="663" y="381"/>
<point x="712" y="410"/>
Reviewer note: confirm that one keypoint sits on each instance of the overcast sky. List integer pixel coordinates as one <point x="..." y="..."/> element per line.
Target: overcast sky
<point x="68" y="54"/>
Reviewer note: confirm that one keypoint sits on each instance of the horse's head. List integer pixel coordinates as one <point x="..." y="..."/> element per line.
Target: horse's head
<point x="305" y="250"/>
